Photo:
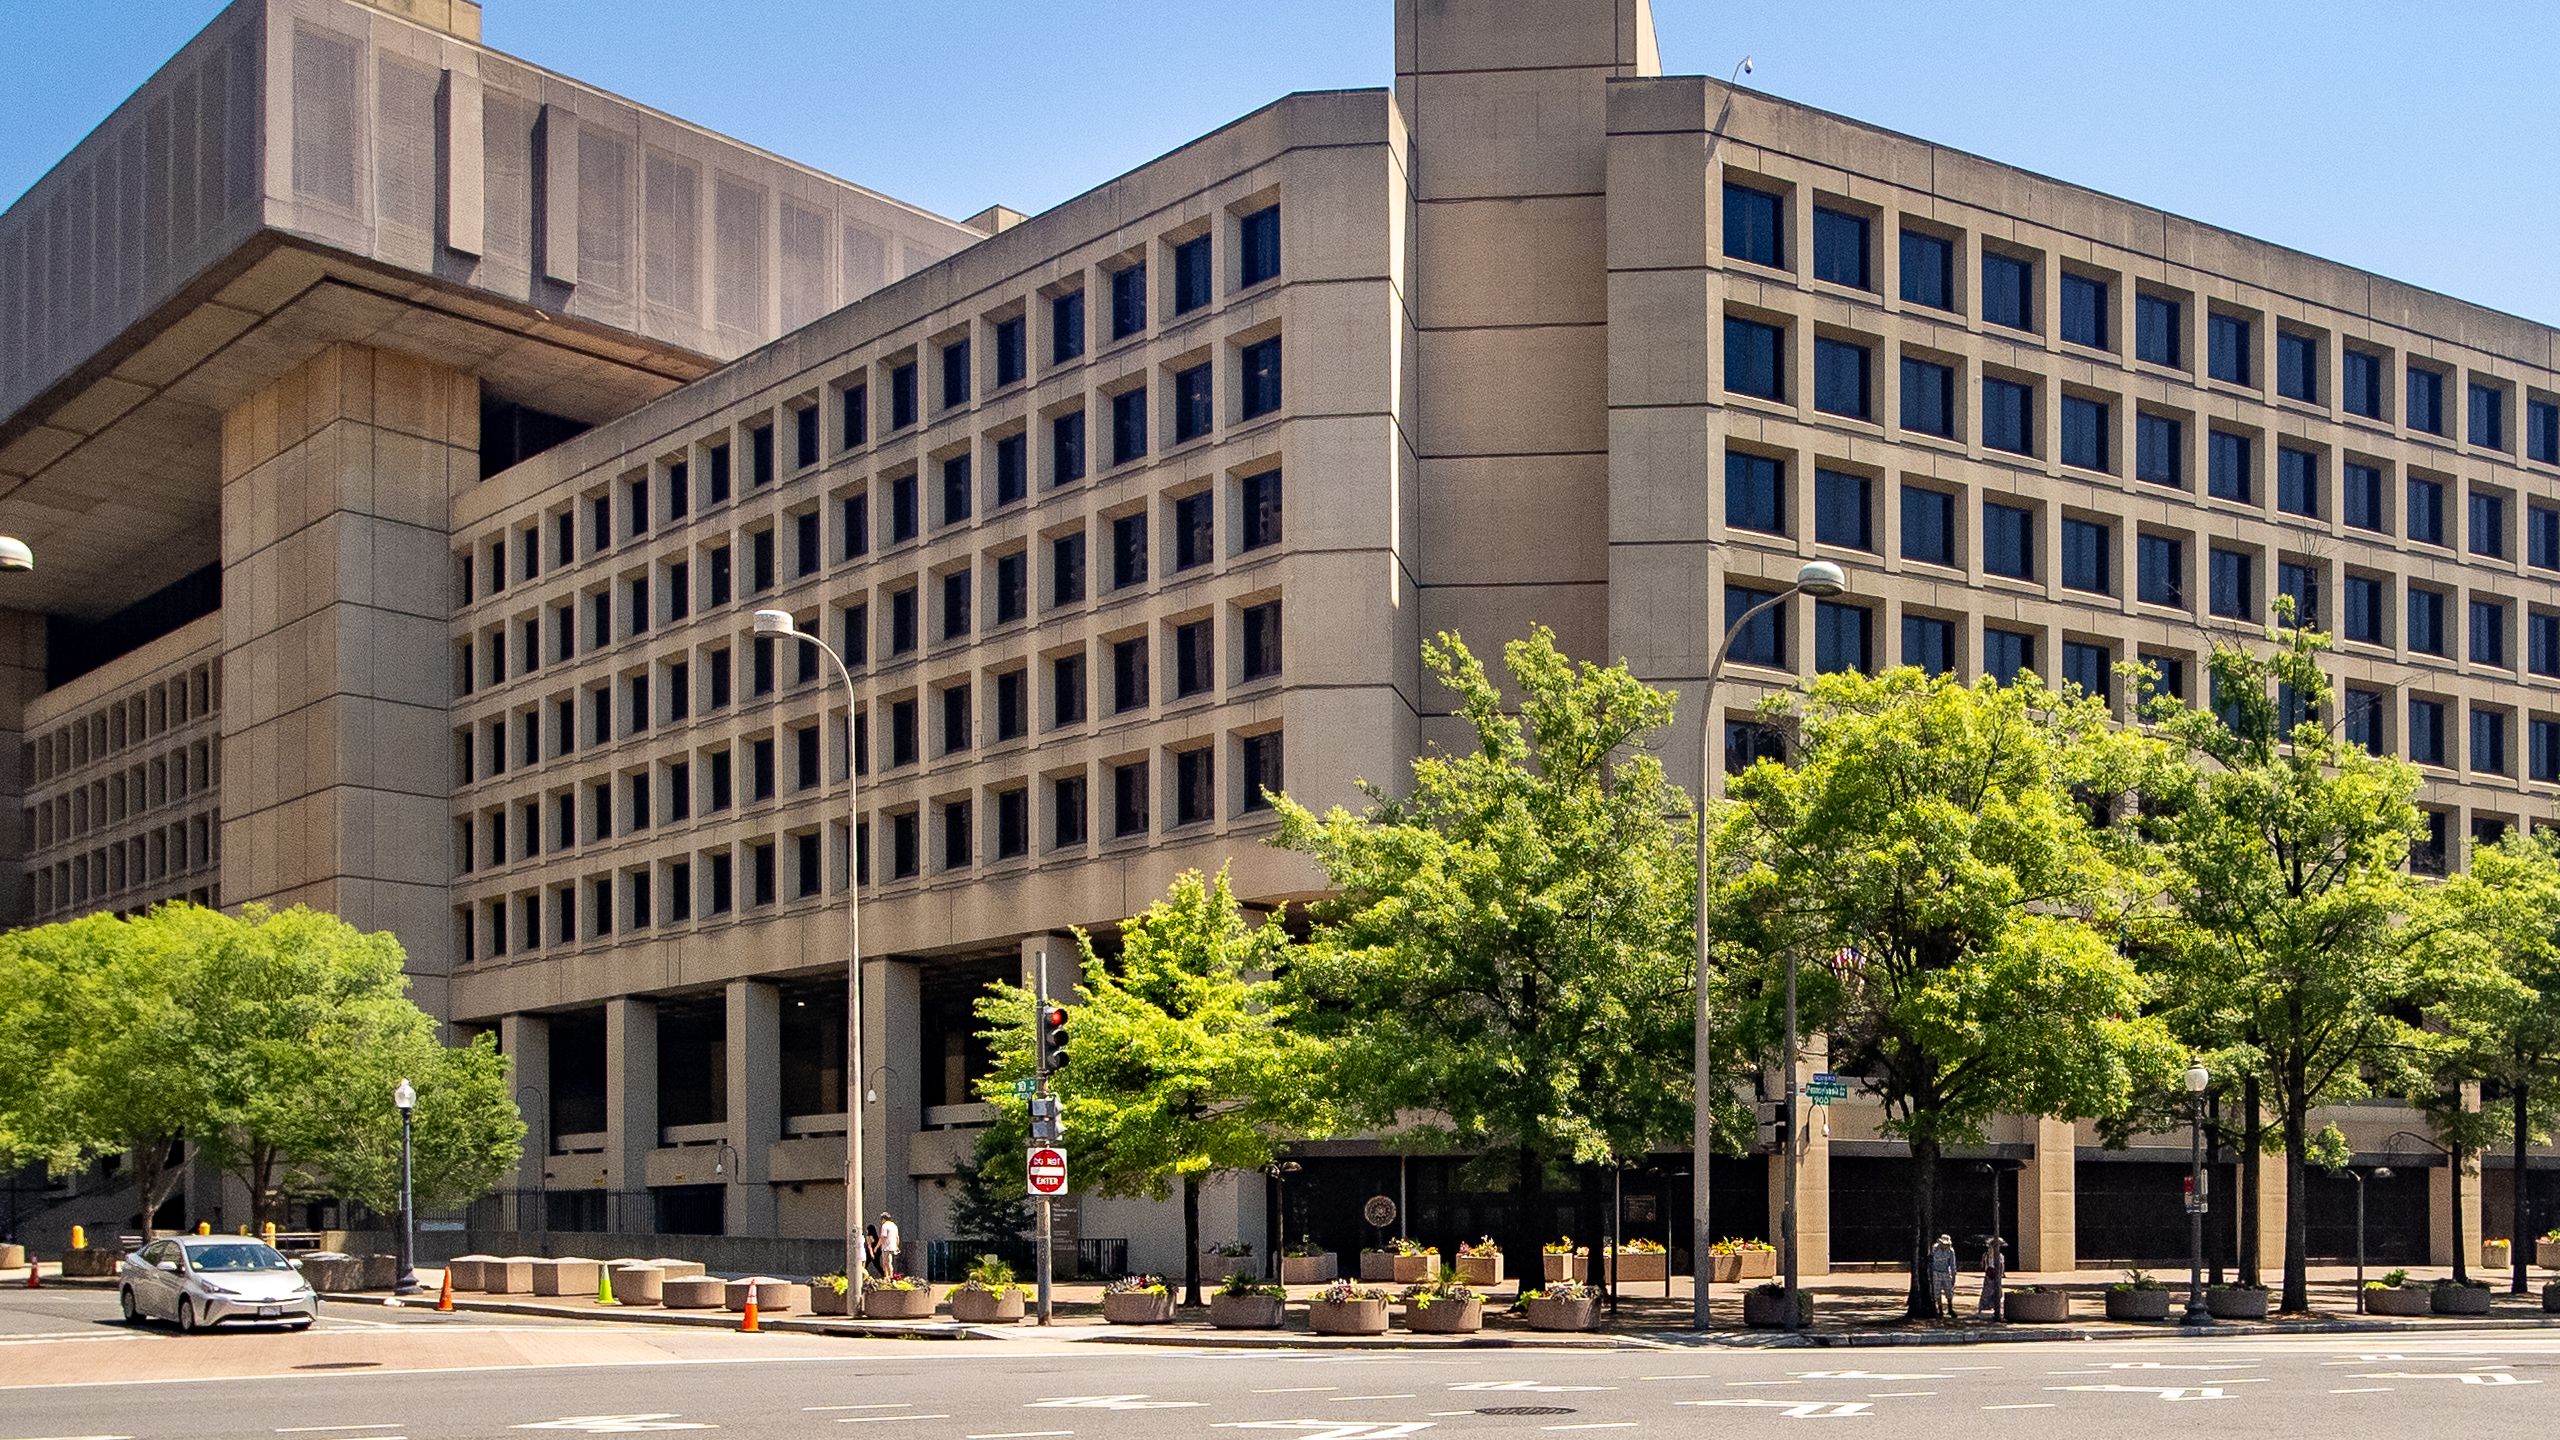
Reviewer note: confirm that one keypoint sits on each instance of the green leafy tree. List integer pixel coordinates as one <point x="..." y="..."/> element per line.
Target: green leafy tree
<point x="1185" y="1058"/>
<point x="2496" y="1011"/>
<point x="991" y="1207"/>
<point x="1938" y="840"/>
<point x="2288" y="958"/>
<point x="1507" y="948"/>
<point x="469" y="1134"/>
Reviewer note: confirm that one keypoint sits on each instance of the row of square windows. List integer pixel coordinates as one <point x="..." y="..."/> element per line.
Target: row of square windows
<point x="182" y="848"/>
<point x="2090" y="441"/>
<point x="185" y="772"/>
<point x="669" y="695"/>
<point x="2012" y="543"/>
<point x="129" y="720"/>
<point x="997" y="586"/>
<point x="1191" y="415"/>
<point x="1843" y="642"/>
<point x="706" y="884"/>
<point x="1755" y="231"/>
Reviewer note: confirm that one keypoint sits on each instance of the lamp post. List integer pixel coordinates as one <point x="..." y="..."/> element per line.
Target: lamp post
<point x="778" y="624"/>
<point x="1818" y="578"/>
<point x="2380" y="1172"/>
<point x="405" y="1096"/>
<point x="2199" y="1080"/>
<point x="1281" y="1170"/>
<point x="15" y="557"/>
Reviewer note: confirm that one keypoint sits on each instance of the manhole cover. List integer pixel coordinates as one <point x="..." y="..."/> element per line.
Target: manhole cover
<point x="1526" y="1410"/>
<point x="341" y="1365"/>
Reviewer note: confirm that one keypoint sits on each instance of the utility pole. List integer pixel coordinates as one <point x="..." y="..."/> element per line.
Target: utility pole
<point x="1043" y="1112"/>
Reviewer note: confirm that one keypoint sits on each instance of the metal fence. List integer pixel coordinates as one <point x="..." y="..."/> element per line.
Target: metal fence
<point x="946" y="1262"/>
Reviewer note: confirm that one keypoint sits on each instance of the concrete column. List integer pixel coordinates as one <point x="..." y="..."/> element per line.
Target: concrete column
<point x="526" y="1042"/>
<point x="21" y="679"/>
<point x="755" y="1102"/>
<point x="337" y="486"/>
<point x="2271" y="1199"/>
<point x="2440" y="1212"/>
<point x="892" y="1027"/>
<point x="2048" y="1212"/>
<point x="630" y="1096"/>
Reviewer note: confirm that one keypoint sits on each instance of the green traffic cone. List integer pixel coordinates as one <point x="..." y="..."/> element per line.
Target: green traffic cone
<point x="604" y="1286"/>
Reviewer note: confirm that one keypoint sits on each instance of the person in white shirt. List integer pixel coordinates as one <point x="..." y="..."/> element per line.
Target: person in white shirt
<point x="888" y="1245"/>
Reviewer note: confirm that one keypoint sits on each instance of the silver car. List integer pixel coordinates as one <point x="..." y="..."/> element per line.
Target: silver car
<point x="200" y="1281"/>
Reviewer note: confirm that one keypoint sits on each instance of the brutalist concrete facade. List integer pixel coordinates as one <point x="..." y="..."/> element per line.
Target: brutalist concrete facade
<point x="1121" y="512"/>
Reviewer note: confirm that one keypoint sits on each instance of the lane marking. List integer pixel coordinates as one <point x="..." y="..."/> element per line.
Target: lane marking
<point x="877" y="1419"/>
<point x="1898" y="1394"/>
<point x="1595" y="1425"/>
<point x="2046" y="1405"/>
<point x="901" y="1405"/>
<point x="1017" y="1434"/>
<point x="1764" y="1382"/>
<point x="1294" y="1389"/>
<point x="660" y="1363"/>
<point x="1342" y="1399"/>
<point x="310" y="1429"/>
<point x="2363" y="1390"/>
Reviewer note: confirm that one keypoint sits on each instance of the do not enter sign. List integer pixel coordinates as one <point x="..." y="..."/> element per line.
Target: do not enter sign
<point x="1047" y="1170"/>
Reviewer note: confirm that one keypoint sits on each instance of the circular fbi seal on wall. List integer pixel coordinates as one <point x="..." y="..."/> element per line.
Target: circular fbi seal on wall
<point x="1380" y="1211"/>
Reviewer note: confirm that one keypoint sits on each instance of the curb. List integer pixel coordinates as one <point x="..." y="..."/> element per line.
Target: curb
<point x="699" y="1319"/>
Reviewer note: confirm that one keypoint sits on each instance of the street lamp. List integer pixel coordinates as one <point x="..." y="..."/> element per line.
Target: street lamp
<point x="2199" y="1080"/>
<point x="1819" y="578"/>
<point x="2380" y="1172"/>
<point x="15" y="557"/>
<point x="778" y="624"/>
<point x="405" y="1096"/>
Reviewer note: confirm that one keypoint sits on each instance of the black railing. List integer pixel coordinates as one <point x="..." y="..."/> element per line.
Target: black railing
<point x="946" y="1262"/>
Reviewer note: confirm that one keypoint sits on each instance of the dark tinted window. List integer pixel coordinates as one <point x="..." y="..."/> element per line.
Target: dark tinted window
<point x="2158" y="324"/>
<point x="2426" y="400"/>
<point x="2298" y="365"/>
<point x="2008" y="540"/>
<point x="2088" y="556"/>
<point x="1258" y="246"/>
<point x="2084" y="311"/>
<point x="1754" y="225"/>
<point x="1754" y="492"/>
<point x="1842" y="510"/>
<point x="2226" y="354"/>
<point x="1763" y="640"/>
<point x="1840" y="638"/>
<point x="1928" y="397"/>
<point x="1928" y="525"/>
<point x="1840" y="248"/>
<point x="2084" y="433"/>
<point x="1929" y="643"/>
<point x="2426" y="510"/>
<point x="1191" y="275"/>
<point x="2008" y="291"/>
<point x="2232" y="585"/>
<point x="1928" y="270"/>
<point x="2360" y="382"/>
<point x="2008" y="416"/>
<point x="1840" y="377"/>
<point x="2297" y="482"/>
<point x="1755" y="358"/>
<point x="2227" y="466"/>
<point x="2159" y="450"/>
<point x="2161" y="563"/>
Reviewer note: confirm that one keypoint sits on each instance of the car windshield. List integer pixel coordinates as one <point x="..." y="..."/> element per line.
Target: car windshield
<point x="234" y="1259"/>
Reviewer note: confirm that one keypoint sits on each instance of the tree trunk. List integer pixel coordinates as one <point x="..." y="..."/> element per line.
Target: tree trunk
<point x="2519" y="1249"/>
<point x="2252" y="1136"/>
<point x="2453" y="1153"/>
<point x="2218" y="1237"/>
<point x="151" y="1178"/>
<point x="1191" y="1240"/>
<point x="1921" y="1304"/>
<point x="1528" y="1234"/>
<point x="2297" y="1216"/>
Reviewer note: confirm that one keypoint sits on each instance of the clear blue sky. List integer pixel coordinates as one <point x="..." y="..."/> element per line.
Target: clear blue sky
<point x="2413" y="140"/>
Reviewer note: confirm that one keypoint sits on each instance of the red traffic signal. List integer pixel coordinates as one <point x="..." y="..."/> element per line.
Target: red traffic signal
<point x="1053" y="1038"/>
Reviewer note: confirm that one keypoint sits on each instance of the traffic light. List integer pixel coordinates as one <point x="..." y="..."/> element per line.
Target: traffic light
<point x="1053" y="1039"/>
<point x="1772" y="1115"/>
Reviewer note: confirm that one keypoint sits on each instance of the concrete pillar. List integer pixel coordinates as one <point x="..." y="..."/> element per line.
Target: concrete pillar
<point x="630" y="1100"/>
<point x="2048" y="1209"/>
<point x="526" y="1042"/>
<point x="755" y="1102"/>
<point x="892" y="1027"/>
<point x="2271" y="1200"/>
<point x="337" y="486"/>
<point x="2440" y="1212"/>
<point x="21" y="679"/>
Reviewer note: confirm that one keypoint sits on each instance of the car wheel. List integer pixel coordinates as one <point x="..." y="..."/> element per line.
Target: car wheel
<point x="298" y="1326"/>
<point x="186" y="1317"/>
<point x="124" y="1301"/>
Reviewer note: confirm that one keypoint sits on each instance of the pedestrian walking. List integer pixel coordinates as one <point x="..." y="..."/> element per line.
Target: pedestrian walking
<point x="888" y="1246"/>
<point x="1995" y="1264"/>
<point x="871" y="1252"/>
<point x="1942" y="1277"/>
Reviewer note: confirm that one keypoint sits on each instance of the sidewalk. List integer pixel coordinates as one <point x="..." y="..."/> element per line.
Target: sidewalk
<point x="1849" y="1310"/>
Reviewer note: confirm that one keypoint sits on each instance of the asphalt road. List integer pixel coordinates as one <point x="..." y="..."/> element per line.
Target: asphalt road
<point x="364" y="1374"/>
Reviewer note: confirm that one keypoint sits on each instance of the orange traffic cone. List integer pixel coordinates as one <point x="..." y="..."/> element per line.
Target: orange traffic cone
<point x="444" y="1296"/>
<point x="35" y="1269"/>
<point x="747" y="1324"/>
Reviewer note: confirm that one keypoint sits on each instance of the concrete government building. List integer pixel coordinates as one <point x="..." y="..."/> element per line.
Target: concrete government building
<point x="406" y="432"/>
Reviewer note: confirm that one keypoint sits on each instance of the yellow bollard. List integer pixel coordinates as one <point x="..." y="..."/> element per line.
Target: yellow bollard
<point x="79" y="1237"/>
<point x="204" y="1227"/>
<point x="244" y="1232"/>
<point x="268" y="1234"/>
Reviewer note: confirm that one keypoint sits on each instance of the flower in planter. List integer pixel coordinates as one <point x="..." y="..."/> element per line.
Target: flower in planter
<point x="833" y="1281"/>
<point x="2136" y="1280"/>
<point x="1305" y="1249"/>
<point x="1409" y="1248"/>
<point x="989" y="1276"/>
<point x="2449" y="1283"/>
<point x="1346" y="1292"/>
<point x="1478" y="1250"/>
<point x="1446" y="1287"/>
<point x="897" y="1282"/>
<point x="1136" y="1285"/>
<point x="1727" y="1246"/>
<point x="1560" y="1290"/>
<point x="1240" y="1286"/>
<point x="1232" y="1250"/>
<point x="1565" y="1246"/>
<point x="1636" y="1247"/>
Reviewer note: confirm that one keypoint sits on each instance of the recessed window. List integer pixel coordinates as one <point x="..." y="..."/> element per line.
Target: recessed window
<point x="2089" y="668"/>
<point x="2008" y="540"/>
<point x="957" y="485"/>
<point x="1195" y="659"/>
<point x="2231" y="590"/>
<point x="2298" y="366"/>
<point x="1066" y="569"/>
<point x="2088" y="556"/>
<point x="1929" y="643"/>
<point x="1258" y="378"/>
<point x="2488" y="428"/>
<point x="2426" y="731"/>
<point x="1066" y="327"/>
<point x="2226" y="352"/>
<point x="955" y="604"/>
<point x="1128" y="300"/>
<point x="2008" y="415"/>
<point x="1755" y="358"/>
<point x="1928" y="525"/>
<point x="1195" y="785"/>
<point x="1013" y="705"/>
<point x="2488" y="741"/>
<point x="2300" y="584"/>
<point x="2158" y="325"/>
<point x="2085" y="426"/>
<point x="1260" y="628"/>
<point x="2227" y="467"/>
<point x="1068" y="809"/>
<point x="1066" y="690"/>
<point x="856" y="418"/>
<point x="1129" y="675"/>
<point x="1928" y="270"/>
<point x="955" y="719"/>
<point x="1258" y="756"/>
<point x="1258" y="246"/>
<point x="2006" y="654"/>
<point x="2360" y="718"/>
<point x="1191" y="275"/>
<point x="2487" y="532"/>
<point x="2542" y="742"/>
<point x="1843" y="510"/>
<point x="2489" y="633"/>
<point x="2160" y="563"/>
<point x="1129" y="800"/>
<point x="1841" y="378"/>
<point x="2364" y="607"/>
<point x="1928" y="397"/>
<point x="902" y="620"/>
<point x="902" y="396"/>
<point x="2542" y="537"/>
<point x="1013" y="469"/>
<point x="903" y="520"/>
<point x="1129" y="551"/>
<point x="2298" y="482"/>
<point x="1195" y="534"/>
<point x="1762" y="641"/>
<point x="1755" y="492"/>
<point x="1194" y="403"/>
<point x="2008" y="291"/>
<point x="2542" y="431"/>
<point x="2426" y="400"/>
<point x="1840" y="248"/>
<point x="2084" y="311"/>
<point x="1258" y="510"/>
<point x="1012" y="359"/>
<point x="2426" y="510"/>
<point x="2159" y="450"/>
<point x="2425" y="622"/>
<point x="1013" y="824"/>
<point x="2360" y="382"/>
<point x="955" y="373"/>
<point x="1754" y="226"/>
<point x="2360" y="492"/>
<point x="1066" y="448"/>
<point x="1841" y="640"/>
<point x="2542" y="642"/>
<point x="1013" y="586"/>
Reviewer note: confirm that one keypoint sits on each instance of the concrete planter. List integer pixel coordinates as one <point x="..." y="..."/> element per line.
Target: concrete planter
<point x="1377" y="1265"/>
<point x="2037" y="1307"/>
<point x="1763" y="1311"/>
<point x="639" y="1284"/>
<point x="2137" y="1304"/>
<point x="1245" y="1312"/>
<point x="468" y="1272"/>
<point x="676" y="1269"/>
<point x="773" y="1297"/>
<point x="1309" y="1269"/>
<point x="1413" y="1269"/>
<point x="2497" y="1255"/>
<point x="1757" y="1264"/>
<point x="1543" y="1314"/>
<point x="1347" y="1317"/>
<point x="826" y="1299"/>
<point x="570" y="1275"/>
<point x="91" y="1262"/>
<point x="879" y="1304"/>
<point x="1576" y="1266"/>
<point x="2551" y="1298"/>
<point x="1215" y="1267"/>
<point x="1480" y="1270"/>
<point x="13" y="1257"/>
<point x="510" y="1276"/>
<point x="327" y="1272"/>
<point x="1445" y="1316"/>
<point x="2402" y="1300"/>
<point x="695" y="1292"/>
<point x="1138" y="1308"/>
<point x="2459" y="1300"/>
<point x="2546" y="1253"/>
<point x="377" y="1272"/>
<point x="1633" y="1266"/>
<point x="986" y="1307"/>
<point x="2234" y="1304"/>
<point x="1724" y="1269"/>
